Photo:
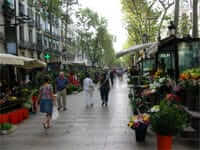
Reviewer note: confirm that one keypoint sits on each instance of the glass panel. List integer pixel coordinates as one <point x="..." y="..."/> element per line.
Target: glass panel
<point x="148" y="65"/>
<point x="167" y="62"/>
<point x="189" y="55"/>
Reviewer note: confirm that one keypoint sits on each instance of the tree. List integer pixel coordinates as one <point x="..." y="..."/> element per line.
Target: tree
<point x="185" y="25"/>
<point x="140" y="19"/>
<point x="176" y="13"/>
<point x="195" y="19"/>
<point x="94" y="39"/>
<point x="166" y="4"/>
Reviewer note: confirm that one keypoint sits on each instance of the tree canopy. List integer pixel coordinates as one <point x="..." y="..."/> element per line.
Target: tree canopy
<point x="94" y="39"/>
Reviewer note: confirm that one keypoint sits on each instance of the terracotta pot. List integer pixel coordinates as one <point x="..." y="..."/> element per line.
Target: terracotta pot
<point x="164" y="142"/>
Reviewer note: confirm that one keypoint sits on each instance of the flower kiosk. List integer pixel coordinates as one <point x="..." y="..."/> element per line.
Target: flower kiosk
<point x="15" y="96"/>
<point x="171" y="95"/>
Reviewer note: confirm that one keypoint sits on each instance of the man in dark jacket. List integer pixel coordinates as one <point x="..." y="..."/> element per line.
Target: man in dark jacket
<point x="61" y="84"/>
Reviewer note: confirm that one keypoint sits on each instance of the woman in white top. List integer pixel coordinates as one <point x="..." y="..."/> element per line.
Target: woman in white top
<point x="88" y="87"/>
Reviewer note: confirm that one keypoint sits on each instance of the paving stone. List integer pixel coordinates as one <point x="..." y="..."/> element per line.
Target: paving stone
<point x="79" y="128"/>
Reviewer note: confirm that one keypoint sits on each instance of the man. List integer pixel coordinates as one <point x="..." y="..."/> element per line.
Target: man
<point x="61" y="84"/>
<point x="112" y="77"/>
<point x="88" y="87"/>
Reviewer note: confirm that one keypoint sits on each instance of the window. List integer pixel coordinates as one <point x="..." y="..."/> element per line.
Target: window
<point x="30" y="12"/>
<point x="21" y="33"/>
<point x="189" y="55"/>
<point x="21" y="9"/>
<point x="30" y="33"/>
<point x="37" y="19"/>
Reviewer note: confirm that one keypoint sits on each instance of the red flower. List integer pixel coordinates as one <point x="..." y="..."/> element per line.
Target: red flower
<point x="173" y="97"/>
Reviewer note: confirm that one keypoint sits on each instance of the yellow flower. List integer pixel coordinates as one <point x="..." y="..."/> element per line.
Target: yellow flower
<point x="130" y="124"/>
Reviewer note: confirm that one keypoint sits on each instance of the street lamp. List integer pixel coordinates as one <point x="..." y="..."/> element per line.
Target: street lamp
<point x="145" y="40"/>
<point x="172" y="29"/>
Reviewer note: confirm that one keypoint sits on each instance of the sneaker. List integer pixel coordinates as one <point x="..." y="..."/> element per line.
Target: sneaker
<point x="106" y="104"/>
<point x="59" y="108"/>
<point x="102" y="104"/>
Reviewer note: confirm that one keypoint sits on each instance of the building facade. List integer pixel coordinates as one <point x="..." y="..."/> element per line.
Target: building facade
<point x="30" y="33"/>
<point x="186" y="7"/>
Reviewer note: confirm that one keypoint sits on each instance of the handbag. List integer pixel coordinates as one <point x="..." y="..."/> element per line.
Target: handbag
<point x="55" y="113"/>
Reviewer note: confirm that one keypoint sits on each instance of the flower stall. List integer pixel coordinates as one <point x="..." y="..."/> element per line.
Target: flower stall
<point x="174" y="55"/>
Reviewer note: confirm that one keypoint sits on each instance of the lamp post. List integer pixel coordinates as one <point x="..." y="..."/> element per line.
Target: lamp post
<point x="172" y="29"/>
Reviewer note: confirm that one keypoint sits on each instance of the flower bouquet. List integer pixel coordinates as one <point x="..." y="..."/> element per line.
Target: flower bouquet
<point x="139" y="123"/>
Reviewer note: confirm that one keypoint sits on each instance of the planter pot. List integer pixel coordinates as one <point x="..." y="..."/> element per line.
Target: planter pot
<point x="164" y="142"/>
<point x="140" y="133"/>
<point x="4" y="118"/>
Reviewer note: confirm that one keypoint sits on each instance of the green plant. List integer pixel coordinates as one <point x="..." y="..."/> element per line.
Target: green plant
<point x="5" y="126"/>
<point x="169" y="120"/>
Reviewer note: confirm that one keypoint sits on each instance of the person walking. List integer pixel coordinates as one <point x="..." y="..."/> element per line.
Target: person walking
<point x="88" y="87"/>
<point x="46" y="98"/>
<point x="112" y="77"/>
<point x="61" y="84"/>
<point x="104" y="89"/>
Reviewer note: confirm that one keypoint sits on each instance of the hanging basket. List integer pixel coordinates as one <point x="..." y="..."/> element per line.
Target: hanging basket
<point x="164" y="142"/>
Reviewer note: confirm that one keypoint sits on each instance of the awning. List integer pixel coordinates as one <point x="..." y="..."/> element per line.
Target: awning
<point x="30" y="63"/>
<point x="21" y="61"/>
<point x="8" y="59"/>
<point x="134" y="49"/>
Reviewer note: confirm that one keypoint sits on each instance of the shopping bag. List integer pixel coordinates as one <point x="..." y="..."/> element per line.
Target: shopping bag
<point x="55" y="113"/>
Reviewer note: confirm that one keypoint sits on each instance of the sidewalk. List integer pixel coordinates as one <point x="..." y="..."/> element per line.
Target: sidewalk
<point x="79" y="128"/>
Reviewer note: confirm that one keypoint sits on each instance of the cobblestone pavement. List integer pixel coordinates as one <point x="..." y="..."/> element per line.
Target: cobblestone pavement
<point x="81" y="128"/>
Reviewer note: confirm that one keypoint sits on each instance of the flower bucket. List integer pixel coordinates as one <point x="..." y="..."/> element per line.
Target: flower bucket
<point x="13" y="119"/>
<point x="164" y="142"/>
<point x="25" y="113"/>
<point x="20" y="115"/>
<point x="140" y="133"/>
<point x="4" y="118"/>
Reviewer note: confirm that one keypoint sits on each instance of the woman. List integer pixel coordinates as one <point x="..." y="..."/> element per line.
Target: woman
<point x="88" y="87"/>
<point x="46" y="101"/>
<point x="104" y="89"/>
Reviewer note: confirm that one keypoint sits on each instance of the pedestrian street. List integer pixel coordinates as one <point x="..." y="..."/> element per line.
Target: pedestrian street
<point x="81" y="128"/>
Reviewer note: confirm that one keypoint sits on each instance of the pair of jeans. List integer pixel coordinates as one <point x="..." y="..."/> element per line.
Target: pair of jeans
<point x="104" y="92"/>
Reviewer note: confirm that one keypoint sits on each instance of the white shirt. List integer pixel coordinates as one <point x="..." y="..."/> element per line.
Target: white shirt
<point x="87" y="82"/>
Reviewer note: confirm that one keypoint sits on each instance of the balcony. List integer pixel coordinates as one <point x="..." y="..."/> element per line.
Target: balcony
<point x="38" y="25"/>
<point x="23" y="44"/>
<point x="31" y="46"/>
<point x="39" y="46"/>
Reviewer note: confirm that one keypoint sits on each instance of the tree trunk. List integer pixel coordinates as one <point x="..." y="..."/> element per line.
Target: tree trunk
<point x="176" y="14"/>
<point x="195" y="19"/>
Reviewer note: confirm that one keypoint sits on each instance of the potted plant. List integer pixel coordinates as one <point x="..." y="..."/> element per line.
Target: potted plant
<point x="139" y="123"/>
<point x="168" y="120"/>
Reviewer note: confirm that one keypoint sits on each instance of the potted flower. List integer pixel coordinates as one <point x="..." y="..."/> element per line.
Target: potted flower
<point x="168" y="120"/>
<point x="139" y="123"/>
